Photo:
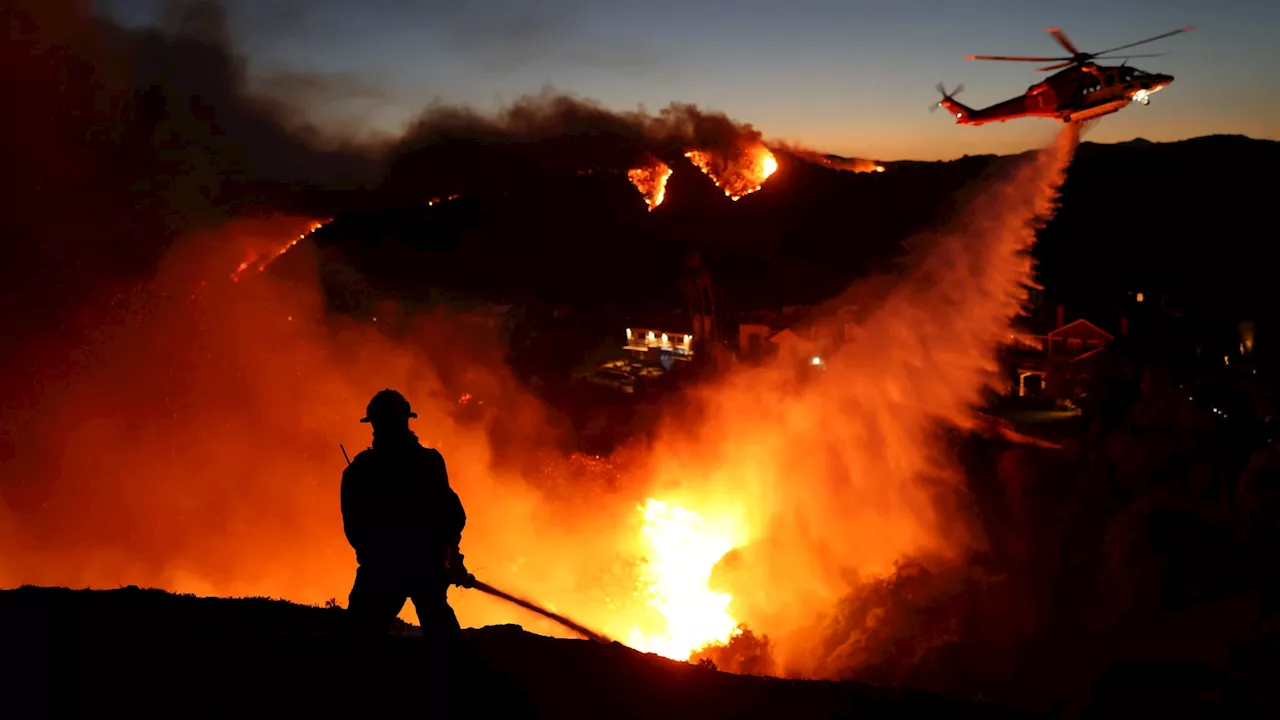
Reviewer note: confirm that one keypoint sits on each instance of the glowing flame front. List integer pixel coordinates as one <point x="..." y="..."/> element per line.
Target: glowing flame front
<point x="737" y="176"/>
<point x="651" y="181"/>
<point x="270" y="257"/>
<point x="681" y="552"/>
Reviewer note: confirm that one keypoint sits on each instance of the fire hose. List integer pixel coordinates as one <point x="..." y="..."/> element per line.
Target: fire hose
<point x="562" y="620"/>
<point x="486" y="588"/>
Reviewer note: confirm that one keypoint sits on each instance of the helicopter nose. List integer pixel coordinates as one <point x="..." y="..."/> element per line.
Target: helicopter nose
<point x="1160" y="81"/>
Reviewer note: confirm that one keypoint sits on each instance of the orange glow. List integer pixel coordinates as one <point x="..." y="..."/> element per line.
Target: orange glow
<point x="651" y="181"/>
<point x="835" y="162"/>
<point x="262" y="261"/>
<point x="738" y="175"/>
<point x="195" y="448"/>
<point x="681" y="550"/>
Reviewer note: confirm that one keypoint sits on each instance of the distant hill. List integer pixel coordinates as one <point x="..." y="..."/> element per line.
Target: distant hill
<point x="1185" y="218"/>
<point x="151" y="652"/>
<point x="1189" y="219"/>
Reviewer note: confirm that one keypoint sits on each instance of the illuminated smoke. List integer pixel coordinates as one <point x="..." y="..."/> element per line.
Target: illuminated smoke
<point x="835" y="162"/>
<point x="452" y="149"/>
<point x="192" y="443"/>
<point x="206" y="431"/>
<point x="680" y="551"/>
<point x="837" y="479"/>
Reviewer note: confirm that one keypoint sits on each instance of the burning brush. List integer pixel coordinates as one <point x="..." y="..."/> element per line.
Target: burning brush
<point x="264" y="260"/>
<point x="651" y="180"/>
<point x="738" y="175"/>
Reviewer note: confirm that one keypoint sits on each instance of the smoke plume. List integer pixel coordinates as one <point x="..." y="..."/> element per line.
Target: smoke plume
<point x="188" y="437"/>
<point x="835" y="162"/>
<point x="450" y="149"/>
<point x="834" y="480"/>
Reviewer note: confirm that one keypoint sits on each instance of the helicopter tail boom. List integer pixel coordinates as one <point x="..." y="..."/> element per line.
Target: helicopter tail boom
<point x="963" y="113"/>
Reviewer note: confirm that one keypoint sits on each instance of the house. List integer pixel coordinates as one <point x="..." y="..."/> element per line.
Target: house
<point x="796" y="334"/>
<point x="1057" y="363"/>
<point x="1068" y="377"/>
<point x="1077" y="338"/>
<point x="797" y="344"/>
<point x="651" y="341"/>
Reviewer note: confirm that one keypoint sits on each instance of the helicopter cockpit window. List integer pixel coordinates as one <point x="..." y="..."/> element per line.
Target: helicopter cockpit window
<point x="1111" y="80"/>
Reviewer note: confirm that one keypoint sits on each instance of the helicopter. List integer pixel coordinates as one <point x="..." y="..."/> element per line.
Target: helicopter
<point x="1083" y="90"/>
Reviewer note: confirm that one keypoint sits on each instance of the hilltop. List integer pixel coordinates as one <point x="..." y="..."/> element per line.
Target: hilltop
<point x="149" y="651"/>
<point x="1182" y="218"/>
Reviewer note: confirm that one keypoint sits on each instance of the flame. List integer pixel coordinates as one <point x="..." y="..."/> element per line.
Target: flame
<point x="835" y="162"/>
<point x="738" y="176"/>
<point x="651" y="181"/>
<point x="263" y="262"/>
<point x="812" y="488"/>
<point x="681" y="551"/>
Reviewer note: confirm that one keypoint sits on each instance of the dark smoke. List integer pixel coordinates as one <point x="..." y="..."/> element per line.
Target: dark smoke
<point x="835" y="162"/>
<point x="451" y="149"/>
<point x="152" y="133"/>
<point x="119" y="141"/>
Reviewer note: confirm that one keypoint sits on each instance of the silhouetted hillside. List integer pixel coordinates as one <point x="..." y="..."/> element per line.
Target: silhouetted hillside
<point x="150" y="652"/>
<point x="1188" y="219"/>
<point x="1184" y="218"/>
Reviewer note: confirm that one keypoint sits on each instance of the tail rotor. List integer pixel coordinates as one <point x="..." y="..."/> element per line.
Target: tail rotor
<point x="942" y="90"/>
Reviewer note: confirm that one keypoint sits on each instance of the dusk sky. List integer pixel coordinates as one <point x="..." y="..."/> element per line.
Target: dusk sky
<point x="854" y="77"/>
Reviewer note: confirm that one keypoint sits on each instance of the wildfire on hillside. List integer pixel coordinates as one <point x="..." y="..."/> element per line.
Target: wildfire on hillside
<point x="790" y="495"/>
<point x="835" y="162"/>
<point x="760" y="514"/>
<point x="651" y="180"/>
<point x="259" y="262"/>
<point x="857" y="165"/>
<point x="739" y="174"/>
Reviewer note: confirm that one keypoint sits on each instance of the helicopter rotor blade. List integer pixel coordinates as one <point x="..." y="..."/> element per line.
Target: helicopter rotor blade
<point x="1058" y="66"/>
<point x="1128" y="57"/>
<point x="1062" y="39"/>
<point x="1015" y="58"/>
<point x="1150" y="39"/>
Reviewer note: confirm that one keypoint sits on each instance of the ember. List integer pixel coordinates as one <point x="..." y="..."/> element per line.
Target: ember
<point x="737" y="176"/>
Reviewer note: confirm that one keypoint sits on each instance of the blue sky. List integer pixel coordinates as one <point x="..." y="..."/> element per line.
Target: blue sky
<point x="846" y="76"/>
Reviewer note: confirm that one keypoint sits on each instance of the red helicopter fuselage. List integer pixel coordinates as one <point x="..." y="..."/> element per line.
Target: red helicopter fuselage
<point x="1073" y="95"/>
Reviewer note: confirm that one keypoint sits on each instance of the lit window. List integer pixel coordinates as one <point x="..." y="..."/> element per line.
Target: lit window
<point x="1138" y="297"/>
